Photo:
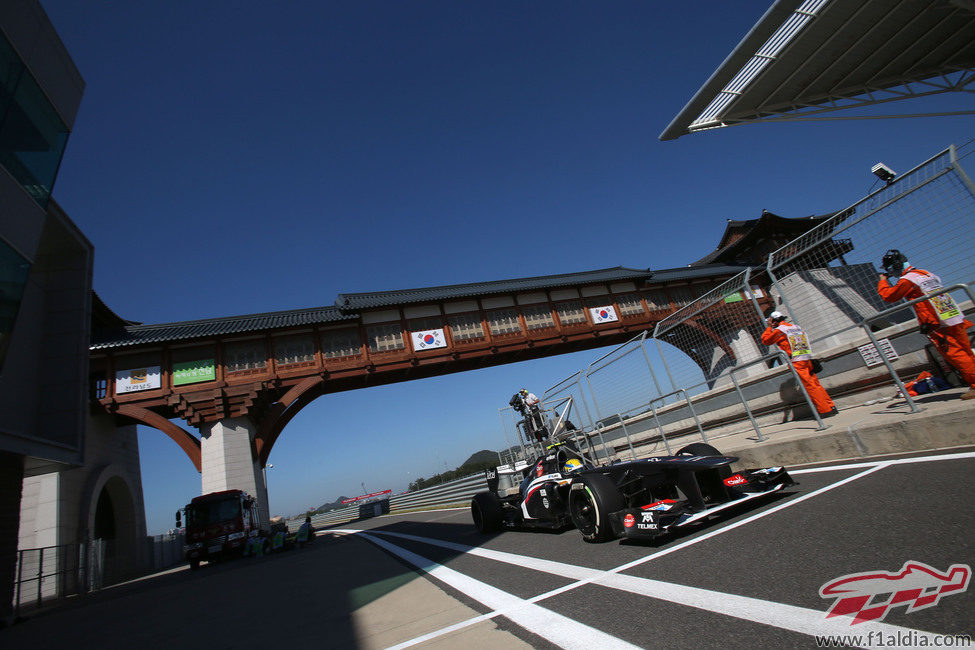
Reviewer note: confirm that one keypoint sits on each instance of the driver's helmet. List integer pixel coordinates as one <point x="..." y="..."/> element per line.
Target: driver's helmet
<point x="894" y="262"/>
<point x="571" y="465"/>
<point x="523" y="391"/>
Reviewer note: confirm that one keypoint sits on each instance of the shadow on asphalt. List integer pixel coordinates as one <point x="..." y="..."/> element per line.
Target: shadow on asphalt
<point x="308" y="595"/>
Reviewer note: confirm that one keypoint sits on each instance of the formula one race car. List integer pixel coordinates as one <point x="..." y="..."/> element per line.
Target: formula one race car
<point x="639" y="499"/>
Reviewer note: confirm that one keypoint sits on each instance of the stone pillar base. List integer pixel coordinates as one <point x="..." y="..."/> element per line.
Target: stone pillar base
<point x="228" y="463"/>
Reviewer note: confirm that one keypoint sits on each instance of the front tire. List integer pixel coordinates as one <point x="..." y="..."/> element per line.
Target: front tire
<point x="699" y="449"/>
<point x="590" y="505"/>
<point x="486" y="512"/>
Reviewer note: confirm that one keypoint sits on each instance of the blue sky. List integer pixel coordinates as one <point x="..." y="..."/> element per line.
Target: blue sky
<point x="240" y="157"/>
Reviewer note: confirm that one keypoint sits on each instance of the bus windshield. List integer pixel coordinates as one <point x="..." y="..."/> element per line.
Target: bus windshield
<point x="212" y="512"/>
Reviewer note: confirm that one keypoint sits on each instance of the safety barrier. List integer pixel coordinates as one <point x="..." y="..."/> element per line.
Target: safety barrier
<point x="825" y="281"/>
<point x="456" y="492"/>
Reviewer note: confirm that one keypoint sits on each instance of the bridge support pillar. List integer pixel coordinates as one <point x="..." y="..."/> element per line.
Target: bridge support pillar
<point x="228" y="463"/>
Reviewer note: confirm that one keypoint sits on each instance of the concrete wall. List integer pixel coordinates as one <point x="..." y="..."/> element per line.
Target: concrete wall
<point x="59" y="508"/>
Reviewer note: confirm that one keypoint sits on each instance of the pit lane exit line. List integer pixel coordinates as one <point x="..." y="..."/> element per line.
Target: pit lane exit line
<point x="558" y="629"/>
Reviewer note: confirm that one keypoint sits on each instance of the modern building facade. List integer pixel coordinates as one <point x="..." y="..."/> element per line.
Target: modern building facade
<point x="63" y="472"/>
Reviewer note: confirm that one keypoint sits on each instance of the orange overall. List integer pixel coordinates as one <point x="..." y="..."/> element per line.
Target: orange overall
<point x="803" y="366"/>
<point x="950" y="340"/>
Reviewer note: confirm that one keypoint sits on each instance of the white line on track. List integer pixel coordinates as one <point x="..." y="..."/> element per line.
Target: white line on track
<point x="898" y="461"/>
<point x="789" y="617"/>
<point x="558" y="629"/>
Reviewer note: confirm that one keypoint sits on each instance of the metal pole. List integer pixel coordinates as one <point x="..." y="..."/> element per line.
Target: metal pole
<point x="673" y="385"/>
<point x="694" y="413"/>
<point x="745" y="404"/>
<point x="890" y="369"/>
<point x="593" y="394"/>
<point x="660" y="428"/>
<point x="40" y="576"/>
<point x="646" y="357"/>
<point x="805" y="393"/>
<point x="627" y="434"/>
<point x="20" y="579"/>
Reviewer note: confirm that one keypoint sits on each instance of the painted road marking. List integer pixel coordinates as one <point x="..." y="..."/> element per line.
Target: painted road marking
<point x="785" y="616"/>
<point x="899" y="461"/>
<point x="558" y="629"/>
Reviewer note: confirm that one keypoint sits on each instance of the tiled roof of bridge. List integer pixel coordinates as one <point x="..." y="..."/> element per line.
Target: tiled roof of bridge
<point x="209" y="327"/>
<point x="374" y="299"/>
<point x="350" y="304"/>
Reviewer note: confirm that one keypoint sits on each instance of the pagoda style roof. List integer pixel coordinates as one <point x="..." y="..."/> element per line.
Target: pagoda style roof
<point x="749" y="242"/>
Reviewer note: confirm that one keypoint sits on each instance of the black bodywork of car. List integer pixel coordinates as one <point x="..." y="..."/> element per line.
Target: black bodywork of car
<point x="638" y="499"/>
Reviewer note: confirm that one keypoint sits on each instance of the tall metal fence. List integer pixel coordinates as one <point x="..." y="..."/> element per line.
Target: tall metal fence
<point x="707" y="357"/>
<point x="827" y="278"/>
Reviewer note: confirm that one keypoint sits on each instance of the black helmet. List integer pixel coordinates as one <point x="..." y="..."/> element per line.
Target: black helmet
<point x="894" y="262"/>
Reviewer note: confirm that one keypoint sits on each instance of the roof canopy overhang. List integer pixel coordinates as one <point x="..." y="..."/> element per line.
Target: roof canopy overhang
<point x="807" y="57"/>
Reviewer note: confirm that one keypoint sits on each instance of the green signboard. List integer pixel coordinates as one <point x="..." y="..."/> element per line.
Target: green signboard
<point x="191" y="372"/>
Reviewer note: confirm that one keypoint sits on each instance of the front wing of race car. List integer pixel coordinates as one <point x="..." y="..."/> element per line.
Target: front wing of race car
<point x="657" y="518"/>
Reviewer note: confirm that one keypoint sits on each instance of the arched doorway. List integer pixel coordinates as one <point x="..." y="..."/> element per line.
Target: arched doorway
<point x="114" y="530"/>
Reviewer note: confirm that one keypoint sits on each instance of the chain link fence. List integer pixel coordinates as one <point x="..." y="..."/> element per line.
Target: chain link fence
<point x="704" y="365"/>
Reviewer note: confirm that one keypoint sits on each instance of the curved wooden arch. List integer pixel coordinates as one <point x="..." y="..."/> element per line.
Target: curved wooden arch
<point x="187" y="441"/>
<point x="280" y="413"/>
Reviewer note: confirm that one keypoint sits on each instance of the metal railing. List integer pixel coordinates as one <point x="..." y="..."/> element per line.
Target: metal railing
<point x="825" y="281"/>
<point x="52" y="573"/>
<point x="787" y="362"/>
<point x="865" y="324"/>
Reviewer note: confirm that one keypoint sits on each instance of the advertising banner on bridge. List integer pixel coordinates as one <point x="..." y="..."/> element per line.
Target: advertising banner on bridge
<point x="136" y="379"/>
<point x="191" y="372"/>
<point x="605" y="314"/>
<point x="428" y="339"/>
<point x="367" y="496"/>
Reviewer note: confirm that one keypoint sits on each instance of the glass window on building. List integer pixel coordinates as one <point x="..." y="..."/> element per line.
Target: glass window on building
<point x="297" y="348"/>
<point x="570" y="313"/>
<point x="538" y="317"/>
<point x="341" y="343"/>
<point x="244" y="355"/>
<point x="656" y="299"/>
<point x="32" y="135"/>
<point x="466" y="327"/>
<point x="423" y="324"/>
<point x="385" y="338"/>
<point x="630" y="305"/>
<point x="682" y="295"/>
<point x="503" y="321"/>
<point x="14" y="271"/>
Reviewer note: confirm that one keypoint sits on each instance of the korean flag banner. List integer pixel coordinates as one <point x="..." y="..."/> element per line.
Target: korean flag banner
<point x="603" y="314"/>
<point x="428" y="340"/>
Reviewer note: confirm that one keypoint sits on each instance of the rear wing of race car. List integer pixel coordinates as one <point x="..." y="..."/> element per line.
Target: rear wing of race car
<point x="512" y="472"/>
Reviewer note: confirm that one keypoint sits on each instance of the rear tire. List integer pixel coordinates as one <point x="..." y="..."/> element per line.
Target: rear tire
<point x="589" y="506"/>
<point x="699" y="449"/>
<point x="486" y="512"/>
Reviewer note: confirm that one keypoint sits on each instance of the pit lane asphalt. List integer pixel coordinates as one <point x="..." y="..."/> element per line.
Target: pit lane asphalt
<point x="915" y="510"/>
<point x="687" y="592"/>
